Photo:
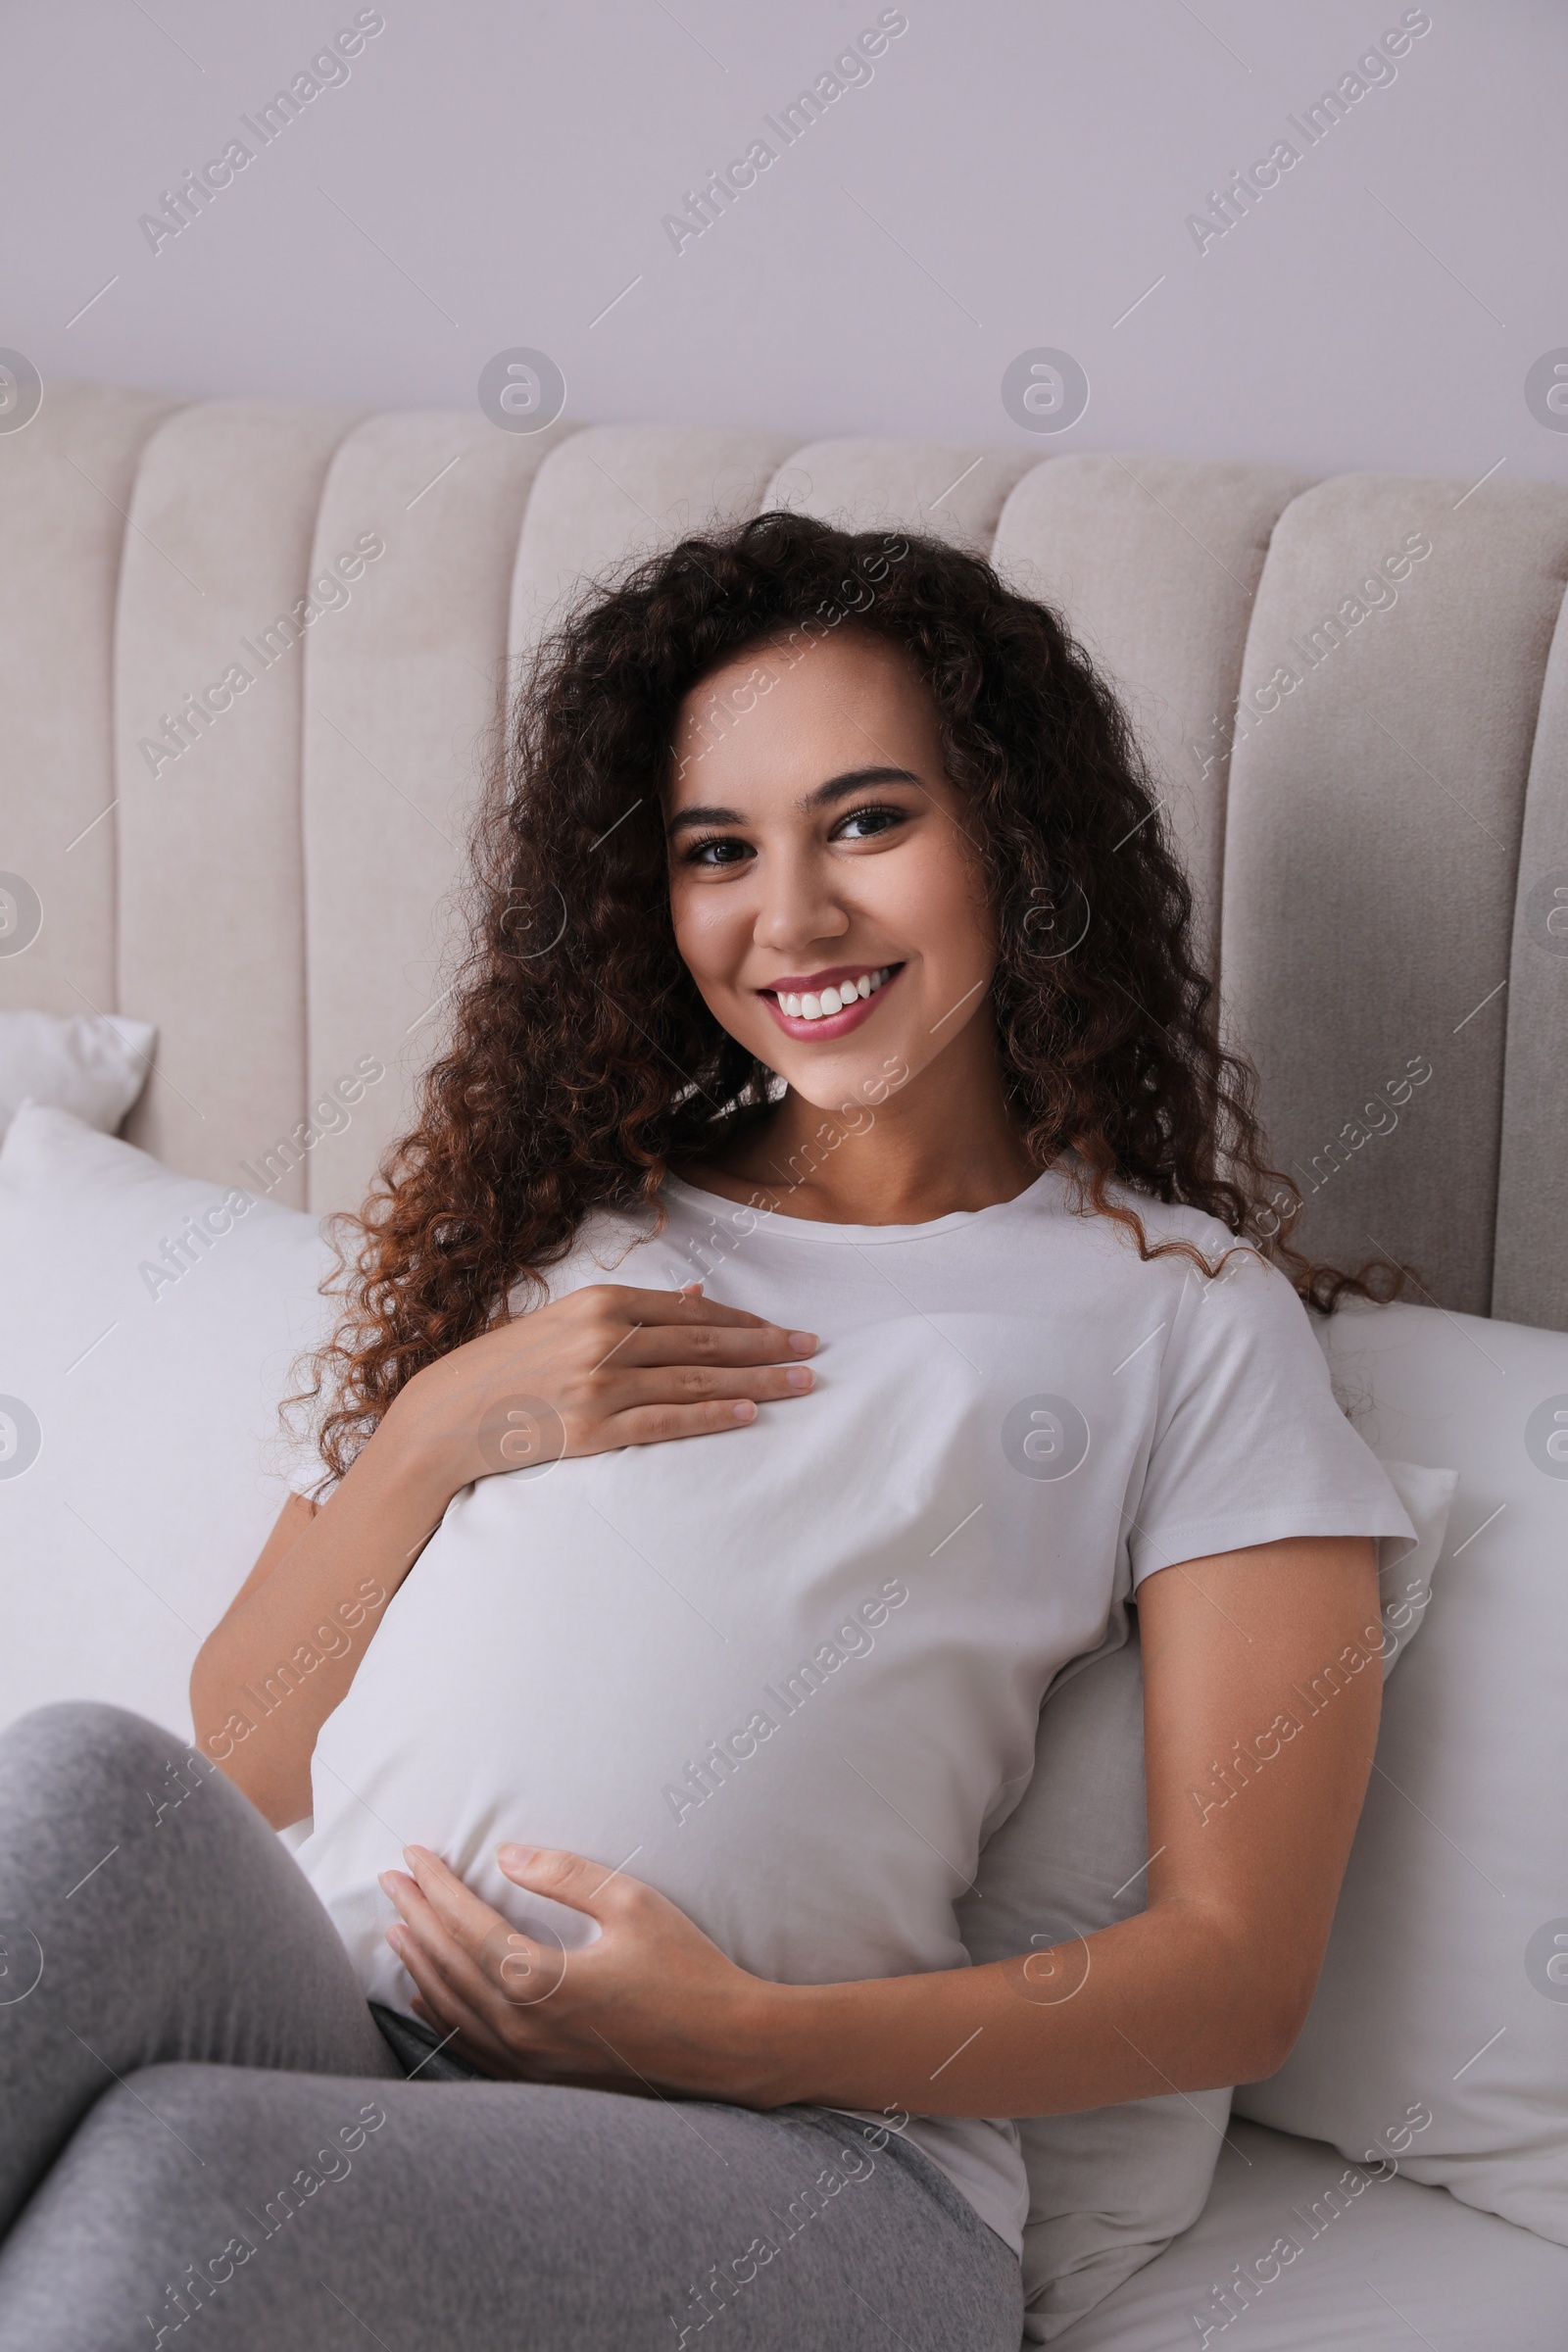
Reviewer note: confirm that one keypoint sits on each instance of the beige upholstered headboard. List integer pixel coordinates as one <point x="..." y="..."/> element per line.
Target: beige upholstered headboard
<point x="1380" y="846"/>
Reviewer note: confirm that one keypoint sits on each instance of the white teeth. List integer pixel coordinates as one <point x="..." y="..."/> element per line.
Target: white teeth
<point x="823" y="1004"/>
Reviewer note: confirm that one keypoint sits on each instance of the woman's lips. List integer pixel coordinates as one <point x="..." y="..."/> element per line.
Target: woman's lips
<point x="831" y="1024"/>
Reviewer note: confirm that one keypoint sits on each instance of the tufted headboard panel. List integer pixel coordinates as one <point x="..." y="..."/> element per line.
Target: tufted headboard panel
<point x="1355" y="693"/>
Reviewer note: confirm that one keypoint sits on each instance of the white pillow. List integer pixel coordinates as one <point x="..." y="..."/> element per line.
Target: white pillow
<point x="94" y="1064"/>
<point x="1440" y="2032"/>
<point x="139" y="1406"/>
<point x="1110" y="2186"/>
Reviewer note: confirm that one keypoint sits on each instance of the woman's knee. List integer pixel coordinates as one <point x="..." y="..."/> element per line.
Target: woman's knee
<point x="140" y="2152"/>
<point x="80" y="1769"/>
<point x="80" y="1735"/>
<point x="172" y="2136"/>
<point x="140" y="2196"/>
<point x="84" y="1759"/>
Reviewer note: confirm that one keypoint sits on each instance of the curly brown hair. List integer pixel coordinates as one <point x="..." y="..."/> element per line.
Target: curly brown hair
<point x="554" y="1098"/>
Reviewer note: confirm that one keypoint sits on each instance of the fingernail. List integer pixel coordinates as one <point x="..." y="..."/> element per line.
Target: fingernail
<point x="798" y="1376"/>
<point x="514" y="1857"/>
<point x="384" y="1882"/>
<point x="803" y="1341"/>
<point x="745" y="1410"/>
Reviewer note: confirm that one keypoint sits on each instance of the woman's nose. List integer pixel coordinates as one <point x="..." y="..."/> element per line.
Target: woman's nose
<point x="799" y="906"/>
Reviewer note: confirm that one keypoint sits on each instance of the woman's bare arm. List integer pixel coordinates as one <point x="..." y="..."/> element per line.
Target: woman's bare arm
<point x="286" y="1649"/>
<point x="286" y="1530"/>
<point x="1273" y="1652"/>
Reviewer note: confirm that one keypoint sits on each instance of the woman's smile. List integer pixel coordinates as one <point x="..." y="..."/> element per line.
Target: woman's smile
<point x="829" y="1004"/>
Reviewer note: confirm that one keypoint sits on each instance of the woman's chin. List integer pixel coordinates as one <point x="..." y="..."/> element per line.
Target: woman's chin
<point x="846" y="1084"/>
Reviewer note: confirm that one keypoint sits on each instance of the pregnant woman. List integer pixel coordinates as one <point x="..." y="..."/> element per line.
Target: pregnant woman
<point x="833" y="1271"/>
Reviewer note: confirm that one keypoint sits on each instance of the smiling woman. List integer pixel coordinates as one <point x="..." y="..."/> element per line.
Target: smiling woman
<point x="599" y="1805"/>
<point x="882" y="861"/>
<point x="575" y="1076"/>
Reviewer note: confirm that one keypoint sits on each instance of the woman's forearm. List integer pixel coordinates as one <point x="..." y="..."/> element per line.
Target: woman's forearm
<point x="273" y="1669"/>
<point x="1164" y="2001"/>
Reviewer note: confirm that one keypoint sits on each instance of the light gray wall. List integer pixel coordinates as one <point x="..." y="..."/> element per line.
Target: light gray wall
<point x="1013" y="176"/>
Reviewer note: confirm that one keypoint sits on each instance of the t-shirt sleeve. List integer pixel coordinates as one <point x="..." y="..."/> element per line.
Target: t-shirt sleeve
<point x="1249" y="1444"/>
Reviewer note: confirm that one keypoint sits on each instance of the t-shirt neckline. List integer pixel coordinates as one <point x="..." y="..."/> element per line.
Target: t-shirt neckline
<point x="817" y="1229"/>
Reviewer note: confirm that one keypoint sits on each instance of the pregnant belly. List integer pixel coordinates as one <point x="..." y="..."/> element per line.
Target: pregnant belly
<point x="743" y="1668"/>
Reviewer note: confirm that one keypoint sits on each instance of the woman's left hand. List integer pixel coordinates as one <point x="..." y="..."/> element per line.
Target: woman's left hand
<point x="652" y="2004"/>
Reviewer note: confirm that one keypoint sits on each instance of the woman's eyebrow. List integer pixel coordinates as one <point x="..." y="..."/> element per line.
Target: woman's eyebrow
<point x="685" y="818"/>
<point x="837" y="788"/>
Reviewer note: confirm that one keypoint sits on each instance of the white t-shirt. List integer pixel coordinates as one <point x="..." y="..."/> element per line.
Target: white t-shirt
<point x="791" y="1674"/>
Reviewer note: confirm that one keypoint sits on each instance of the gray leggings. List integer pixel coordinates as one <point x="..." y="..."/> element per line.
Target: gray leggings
<point x="198" y="2114"/>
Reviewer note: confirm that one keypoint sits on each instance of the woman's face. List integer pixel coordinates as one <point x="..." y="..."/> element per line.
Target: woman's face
<point x="823" y="873"/>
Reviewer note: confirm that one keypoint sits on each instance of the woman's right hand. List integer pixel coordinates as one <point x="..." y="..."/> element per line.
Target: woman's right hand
<point x="606" y="1366"/>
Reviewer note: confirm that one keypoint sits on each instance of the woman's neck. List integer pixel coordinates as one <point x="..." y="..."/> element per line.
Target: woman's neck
<point x="944" y="1142"/>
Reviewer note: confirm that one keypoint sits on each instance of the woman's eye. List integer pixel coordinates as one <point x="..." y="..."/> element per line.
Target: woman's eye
<point x="719" y="850"/>
<point x="863" y="824"/>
